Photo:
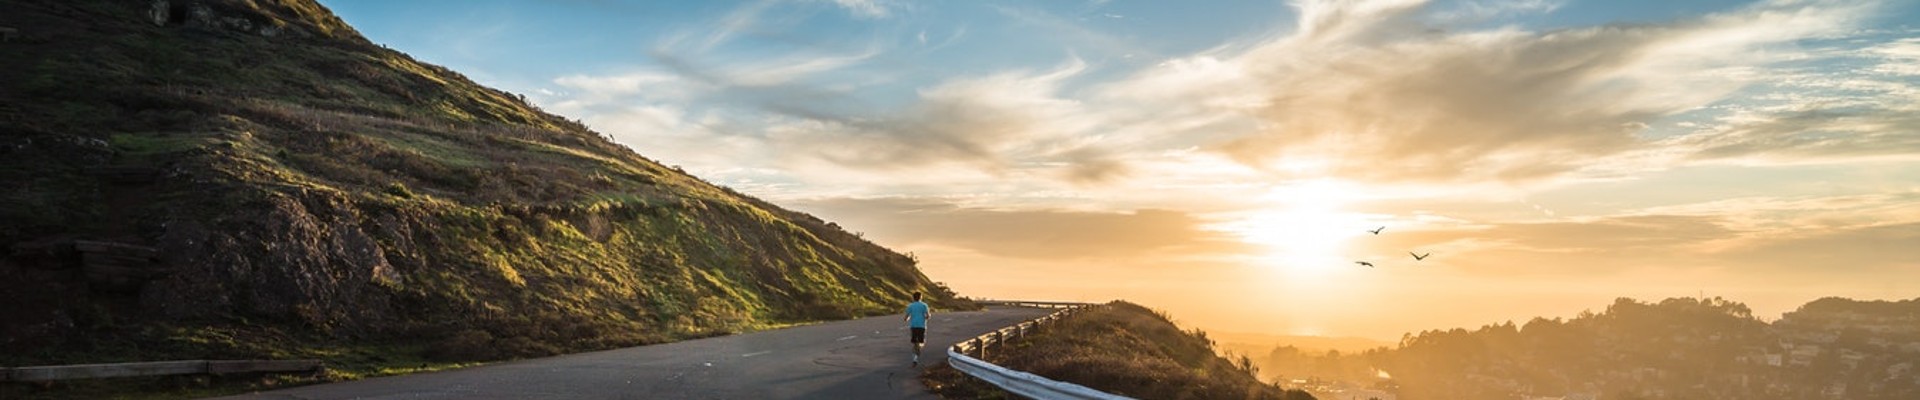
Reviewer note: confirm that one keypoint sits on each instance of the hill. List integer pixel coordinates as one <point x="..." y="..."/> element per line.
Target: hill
<point x="1680" y="348"/>
<point x="1125" y="349"/>
<point x="254" y="179"/>
<point x="1260" y="343"/>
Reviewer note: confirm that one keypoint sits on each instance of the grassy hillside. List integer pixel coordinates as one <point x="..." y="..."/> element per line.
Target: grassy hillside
<point x="1125" y="349"/>
<point x="310" y="194"/>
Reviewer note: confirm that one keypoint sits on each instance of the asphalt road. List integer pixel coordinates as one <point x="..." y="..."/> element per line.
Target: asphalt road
<point x="866" y="358"/>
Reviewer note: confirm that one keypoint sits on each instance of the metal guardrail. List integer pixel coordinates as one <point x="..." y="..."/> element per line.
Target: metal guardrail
<point x="153" y="368"/>
<point x="1033" y="303"/>
<point x="966" y="356"/>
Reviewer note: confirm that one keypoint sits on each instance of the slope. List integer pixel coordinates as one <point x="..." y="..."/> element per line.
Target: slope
<point x="253" y="179"/>
<point x="1124" y="349"/>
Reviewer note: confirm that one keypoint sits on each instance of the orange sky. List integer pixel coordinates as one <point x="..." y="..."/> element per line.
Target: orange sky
<point x="1548" y="172"/>
<point x="1224" y="161"/>
<point x="1480" y="272"/>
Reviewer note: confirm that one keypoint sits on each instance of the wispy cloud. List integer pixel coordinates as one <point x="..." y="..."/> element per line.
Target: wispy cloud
<point x="1047" y="234"/>
<point x="1480" y="10"/>
<point x="1074" y="35"/>
<point x="976" y="121"/>
<point x="1370" y="92"/>
<point x="866" y="8"/>
<point x="1363" y="90"/>
<point x="1849" y="104"/>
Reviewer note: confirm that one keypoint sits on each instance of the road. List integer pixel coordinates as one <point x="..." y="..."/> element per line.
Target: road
<point x="865" y="358"/>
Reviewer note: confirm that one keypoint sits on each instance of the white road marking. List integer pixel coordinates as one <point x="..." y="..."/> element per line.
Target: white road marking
<point x="757" y="353"/>
<point x="848" y="337"/>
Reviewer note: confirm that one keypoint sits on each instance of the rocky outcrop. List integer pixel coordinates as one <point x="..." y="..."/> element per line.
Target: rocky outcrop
<point x="308" y="260"/>
<point x="297" y="18"/>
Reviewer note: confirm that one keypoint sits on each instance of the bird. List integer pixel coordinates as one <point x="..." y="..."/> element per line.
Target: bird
<point x="1376" y="231"/>
<point x="1368" y="264"/>
<point x="1418" y="257"/>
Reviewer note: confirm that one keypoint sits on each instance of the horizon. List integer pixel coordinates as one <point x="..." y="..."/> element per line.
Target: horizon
<point x="1226" y="163"/>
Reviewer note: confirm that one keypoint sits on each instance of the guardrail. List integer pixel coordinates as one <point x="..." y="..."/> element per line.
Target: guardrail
<point x="1033" y="303"/>
<point x="153" y="368"/>
<point x="967" y="356"/>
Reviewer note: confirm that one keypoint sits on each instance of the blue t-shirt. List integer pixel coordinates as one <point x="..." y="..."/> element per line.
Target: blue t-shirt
<point x="917" y="315"/>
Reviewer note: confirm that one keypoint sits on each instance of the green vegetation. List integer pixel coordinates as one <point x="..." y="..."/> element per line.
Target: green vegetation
<point x="1120" y="348"/>
<point x="319" y="196"/>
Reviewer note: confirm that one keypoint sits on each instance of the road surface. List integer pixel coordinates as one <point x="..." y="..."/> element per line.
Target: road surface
<point x="858" y="359"/>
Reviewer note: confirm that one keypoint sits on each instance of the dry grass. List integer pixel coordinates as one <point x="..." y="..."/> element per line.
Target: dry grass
<point x="1125" y="349"/>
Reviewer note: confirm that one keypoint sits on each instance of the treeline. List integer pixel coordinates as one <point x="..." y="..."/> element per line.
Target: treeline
<point x="1680" y="348"/>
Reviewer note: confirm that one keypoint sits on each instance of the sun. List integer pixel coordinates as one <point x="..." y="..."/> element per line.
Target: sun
<point x="1306" y="229"/>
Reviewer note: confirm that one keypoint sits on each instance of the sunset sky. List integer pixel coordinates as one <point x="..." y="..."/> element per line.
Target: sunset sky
<point x="1223" y="160"/>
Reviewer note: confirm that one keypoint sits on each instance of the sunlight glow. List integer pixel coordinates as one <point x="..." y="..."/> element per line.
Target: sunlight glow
<point x="1306" y="230"/>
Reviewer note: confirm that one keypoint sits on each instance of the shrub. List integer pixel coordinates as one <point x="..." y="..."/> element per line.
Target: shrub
<point x="1123" y="348"/>
<point x="397" y="189"/>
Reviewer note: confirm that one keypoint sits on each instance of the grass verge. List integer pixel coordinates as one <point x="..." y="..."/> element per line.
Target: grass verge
<point x="1120" y="348"/>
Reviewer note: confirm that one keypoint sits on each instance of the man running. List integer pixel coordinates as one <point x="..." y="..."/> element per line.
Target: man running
<point x="917" y="314"/>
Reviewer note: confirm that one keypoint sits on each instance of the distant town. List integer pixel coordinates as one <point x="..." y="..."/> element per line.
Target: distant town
<point x="1682" y="348"/>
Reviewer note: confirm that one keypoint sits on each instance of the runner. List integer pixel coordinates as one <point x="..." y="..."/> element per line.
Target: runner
<point x="917" y="315"/>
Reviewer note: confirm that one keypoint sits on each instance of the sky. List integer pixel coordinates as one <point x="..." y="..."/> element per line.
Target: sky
<point x="1225" y="161"/>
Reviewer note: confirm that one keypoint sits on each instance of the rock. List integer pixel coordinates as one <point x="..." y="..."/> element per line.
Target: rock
<point x="236" y="23"/>
<point x="118" y="267"/>
<point x="160" y="12"/>
<point x="199" y="15"/>
<point x="313" y="258"/>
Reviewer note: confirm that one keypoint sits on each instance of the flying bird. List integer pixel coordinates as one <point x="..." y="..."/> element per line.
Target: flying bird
<point x="1376" y="231"/>
<point x="1368" y="264"/>
<point x="1418" y="257"/>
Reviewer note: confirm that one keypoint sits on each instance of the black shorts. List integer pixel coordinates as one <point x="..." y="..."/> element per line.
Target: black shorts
<point x="919" y="335"/>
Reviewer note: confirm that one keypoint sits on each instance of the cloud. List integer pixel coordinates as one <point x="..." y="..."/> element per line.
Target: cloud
<point x="1789" y="237"/>
<point x="1026" y="234"/>
<point x="1613" y="234"/>
<point x="1813" y="135"/>
<point x="866" y="8"/>
<point x="1900" y="57"/>
<point x="998" y="123"/>
<point x="1073" y="34"/>
<point x="1373" y="93"/>
<point x="740" y="19"/>
<point x="647" y="84"/>
<point x="1874" y="250"/>
<point x="1476" y="10"/>
<point x="1855" y="104"/>
<point x="1798" y="215"/>
<point x="1383" y="92"/>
